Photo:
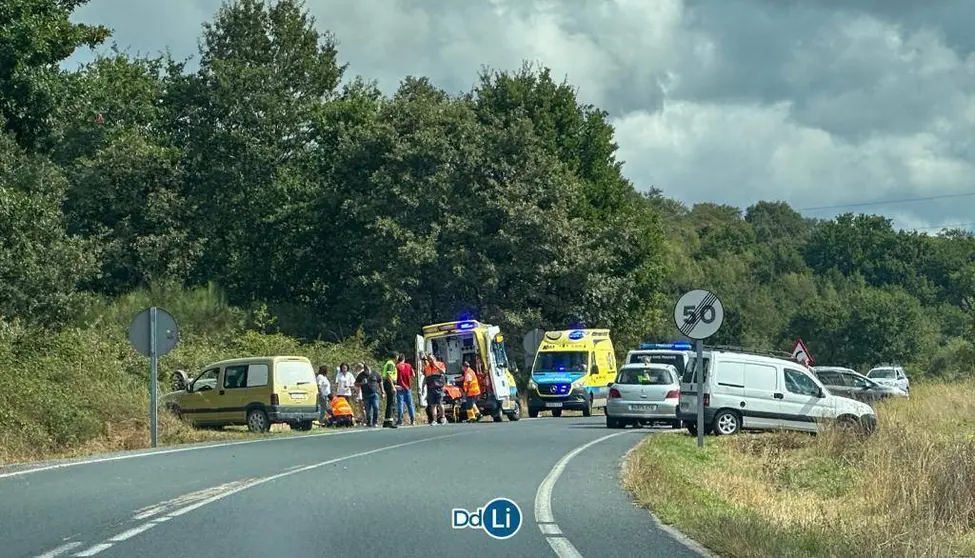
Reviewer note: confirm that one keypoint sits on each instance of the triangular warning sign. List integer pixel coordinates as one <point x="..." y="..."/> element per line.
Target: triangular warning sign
<point x="801" y="354"/>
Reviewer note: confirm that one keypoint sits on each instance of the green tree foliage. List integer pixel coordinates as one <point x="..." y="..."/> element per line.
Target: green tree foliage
<point x="314" y="197"/>
<point x="35" y="36"/>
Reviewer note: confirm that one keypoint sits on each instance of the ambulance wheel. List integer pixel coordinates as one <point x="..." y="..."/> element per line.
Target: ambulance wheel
<point x="556" y="413"/>
<point x="587" y="410"/>
<point x="532" y="413"/>
<point x="516" y="414"/>
<point x="497" y="415"/>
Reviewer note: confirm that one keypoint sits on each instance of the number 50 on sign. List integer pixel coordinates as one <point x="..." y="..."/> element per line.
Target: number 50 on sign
<point x="698" y="314"/>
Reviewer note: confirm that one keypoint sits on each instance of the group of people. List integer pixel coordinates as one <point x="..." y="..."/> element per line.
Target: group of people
<point x="365" y="388"/>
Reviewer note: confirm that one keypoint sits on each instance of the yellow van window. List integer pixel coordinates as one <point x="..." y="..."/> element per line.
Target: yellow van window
<point x="257" y="375"/>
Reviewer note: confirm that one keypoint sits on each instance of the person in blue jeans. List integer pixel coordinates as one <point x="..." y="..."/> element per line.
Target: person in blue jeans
<point x="370" y="384"/>
<point x="404" y="389"/>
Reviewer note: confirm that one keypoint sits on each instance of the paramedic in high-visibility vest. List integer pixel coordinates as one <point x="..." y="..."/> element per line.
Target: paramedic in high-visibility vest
<point x="434" y="377"/>
<point x="472" y="389"/>
<point x="341" y="412"/>
<point x="389" y="386"/>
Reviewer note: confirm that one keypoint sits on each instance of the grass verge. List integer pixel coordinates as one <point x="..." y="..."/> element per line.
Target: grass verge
<point x="908" y="490"/>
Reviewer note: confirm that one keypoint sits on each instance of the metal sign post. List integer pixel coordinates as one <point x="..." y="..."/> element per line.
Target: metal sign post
<point x="153" y="333"/>
<point x="698" y="315"/>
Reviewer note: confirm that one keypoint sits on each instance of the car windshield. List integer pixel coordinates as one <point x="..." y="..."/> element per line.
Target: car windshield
<point x="882" y="373"/>
<point x="645" y="376"/>
<point x="674" y="359"/>
<point x="561" y="361"/>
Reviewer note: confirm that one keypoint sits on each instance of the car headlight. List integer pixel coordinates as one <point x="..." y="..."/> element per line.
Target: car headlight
<point x="579" y="383"/>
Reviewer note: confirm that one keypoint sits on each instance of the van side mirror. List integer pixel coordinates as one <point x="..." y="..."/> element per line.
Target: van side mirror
<point x="594" y="369"/>
<point x="821" y="393"/>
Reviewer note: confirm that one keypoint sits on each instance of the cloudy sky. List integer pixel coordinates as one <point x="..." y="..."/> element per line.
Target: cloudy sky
<point x="868" y="105"/>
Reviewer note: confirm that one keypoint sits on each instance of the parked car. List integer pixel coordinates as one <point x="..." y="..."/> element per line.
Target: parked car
<point x="758" y="392"/>
<point x="644" y="393"/>
<point x="848" y="383"/>
<point x="891" y="375"/>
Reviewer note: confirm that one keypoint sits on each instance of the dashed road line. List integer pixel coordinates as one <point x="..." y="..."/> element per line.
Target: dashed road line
<point x="543" y="503"/>
<point x="53" y="553"/>
<point x="229" y="489"/>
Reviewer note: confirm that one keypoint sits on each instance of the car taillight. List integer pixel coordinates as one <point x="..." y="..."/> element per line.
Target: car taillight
<point x="274" y="399"/>
<point x="707" y="399"/>
<point x="673" y="394"/>
<point x="615" y="393"/>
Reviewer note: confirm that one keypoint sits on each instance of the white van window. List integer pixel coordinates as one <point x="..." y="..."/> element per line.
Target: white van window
<point x="760" y="377"/>
<point x="800" y="384"/>
<point x="689" y="375"/>
<point x="293" y="373"/>
<point x="257" y="375"/>
<point x="730" y="374"/>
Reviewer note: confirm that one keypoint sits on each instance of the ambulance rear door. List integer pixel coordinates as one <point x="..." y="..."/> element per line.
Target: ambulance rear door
<point x="418" y="366"/>
<point x="498" y="363"/>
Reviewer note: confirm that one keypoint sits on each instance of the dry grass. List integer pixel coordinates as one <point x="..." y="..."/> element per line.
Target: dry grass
<point x="908" y="490"/>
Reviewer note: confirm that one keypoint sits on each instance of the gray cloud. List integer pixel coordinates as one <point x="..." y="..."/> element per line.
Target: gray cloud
<point x="815" y="102"/>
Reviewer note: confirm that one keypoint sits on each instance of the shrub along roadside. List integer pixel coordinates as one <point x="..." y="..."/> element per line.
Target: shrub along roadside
<point x="909" y="490"/>
<point x="84" y="390"/>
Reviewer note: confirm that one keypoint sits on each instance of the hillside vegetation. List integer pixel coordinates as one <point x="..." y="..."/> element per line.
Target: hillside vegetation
<point x="326" y="210"/>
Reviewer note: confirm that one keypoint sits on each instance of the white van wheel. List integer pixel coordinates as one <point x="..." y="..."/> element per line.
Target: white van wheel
<point x="726" y="423"/>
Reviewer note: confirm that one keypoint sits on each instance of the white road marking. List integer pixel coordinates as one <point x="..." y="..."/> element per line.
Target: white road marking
<point x="543" y="503"/>
<point x="126" y="535"/>
<point x="230" y="489"/>
<point x="95" y="549"/>
<point x="173" y="450"/>
<point x="176" y="503"/>
<point x="60" y="550"/>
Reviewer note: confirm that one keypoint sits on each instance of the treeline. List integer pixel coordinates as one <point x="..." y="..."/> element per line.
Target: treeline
<point x="271" y="172"/>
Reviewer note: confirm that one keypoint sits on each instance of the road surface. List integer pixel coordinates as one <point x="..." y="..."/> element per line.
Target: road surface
<point x="351" y="493"/>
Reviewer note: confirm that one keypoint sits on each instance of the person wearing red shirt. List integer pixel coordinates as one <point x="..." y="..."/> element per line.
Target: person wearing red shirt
<point x="404" y="391"/>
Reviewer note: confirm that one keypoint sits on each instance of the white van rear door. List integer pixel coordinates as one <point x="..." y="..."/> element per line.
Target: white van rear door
<point x="419" y="371"/>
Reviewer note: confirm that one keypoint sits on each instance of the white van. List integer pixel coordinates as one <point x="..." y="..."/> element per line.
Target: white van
<point x="757" y="392"/>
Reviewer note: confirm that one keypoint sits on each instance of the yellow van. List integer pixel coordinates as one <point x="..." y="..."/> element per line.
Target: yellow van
<point x="256" y="392"/>
<point x="572" y="370"/>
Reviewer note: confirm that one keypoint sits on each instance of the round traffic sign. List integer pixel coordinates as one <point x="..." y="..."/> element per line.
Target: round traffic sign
<point x="167" y="334"/>
<point x="698" y="314"/>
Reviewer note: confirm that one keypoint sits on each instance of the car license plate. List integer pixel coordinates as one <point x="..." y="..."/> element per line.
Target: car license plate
<point x="643" y="407"/>
<point x="553" y="404"/>
<point x="298" y="395"/>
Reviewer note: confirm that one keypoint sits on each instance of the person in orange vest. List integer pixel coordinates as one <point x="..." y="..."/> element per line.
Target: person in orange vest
<point x="472" y="389"/>
<point x="341" y="412"/>
<point x="434" y="372"/>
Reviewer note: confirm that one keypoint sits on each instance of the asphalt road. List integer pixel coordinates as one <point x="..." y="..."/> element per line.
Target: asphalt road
<point x="352" y="493"/>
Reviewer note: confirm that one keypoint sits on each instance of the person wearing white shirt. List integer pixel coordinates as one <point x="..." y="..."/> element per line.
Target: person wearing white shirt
<point x="324" y="390"/>
<point x="344" y="382"/>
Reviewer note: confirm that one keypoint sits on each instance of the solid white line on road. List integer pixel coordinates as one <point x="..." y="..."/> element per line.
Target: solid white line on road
<point x="95" y="549"/>
<point x="151" y="453"/>
<point x="60" y="550"/>
<point x="543" y="502"/>
<point x="234" y="488"/>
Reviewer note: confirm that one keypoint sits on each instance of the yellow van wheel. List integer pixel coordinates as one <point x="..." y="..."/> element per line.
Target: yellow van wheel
<point x="257" y="421"/>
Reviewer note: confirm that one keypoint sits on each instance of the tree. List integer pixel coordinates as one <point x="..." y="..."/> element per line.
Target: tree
<point x="35" y="36"/>
<point x="41" y="265"/>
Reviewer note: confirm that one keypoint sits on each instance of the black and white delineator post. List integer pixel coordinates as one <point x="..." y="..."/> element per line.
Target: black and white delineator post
<point x="153" y="333"/>
<point x="698" y="315"/>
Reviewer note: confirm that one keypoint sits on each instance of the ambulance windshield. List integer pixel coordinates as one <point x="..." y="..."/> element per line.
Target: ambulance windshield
<point x="561" y="361"/>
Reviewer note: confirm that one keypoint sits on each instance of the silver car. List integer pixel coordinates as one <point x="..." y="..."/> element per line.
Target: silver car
<point x="644" y="393"/>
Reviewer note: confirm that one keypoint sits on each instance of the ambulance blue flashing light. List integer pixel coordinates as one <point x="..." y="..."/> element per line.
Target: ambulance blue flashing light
<point x="466" y="325"/>
<point x="676" y="346"/>
<point x="577" y="335"/>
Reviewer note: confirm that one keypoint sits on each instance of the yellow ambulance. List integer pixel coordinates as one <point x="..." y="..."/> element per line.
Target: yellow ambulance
<point x="572" y="371"/>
